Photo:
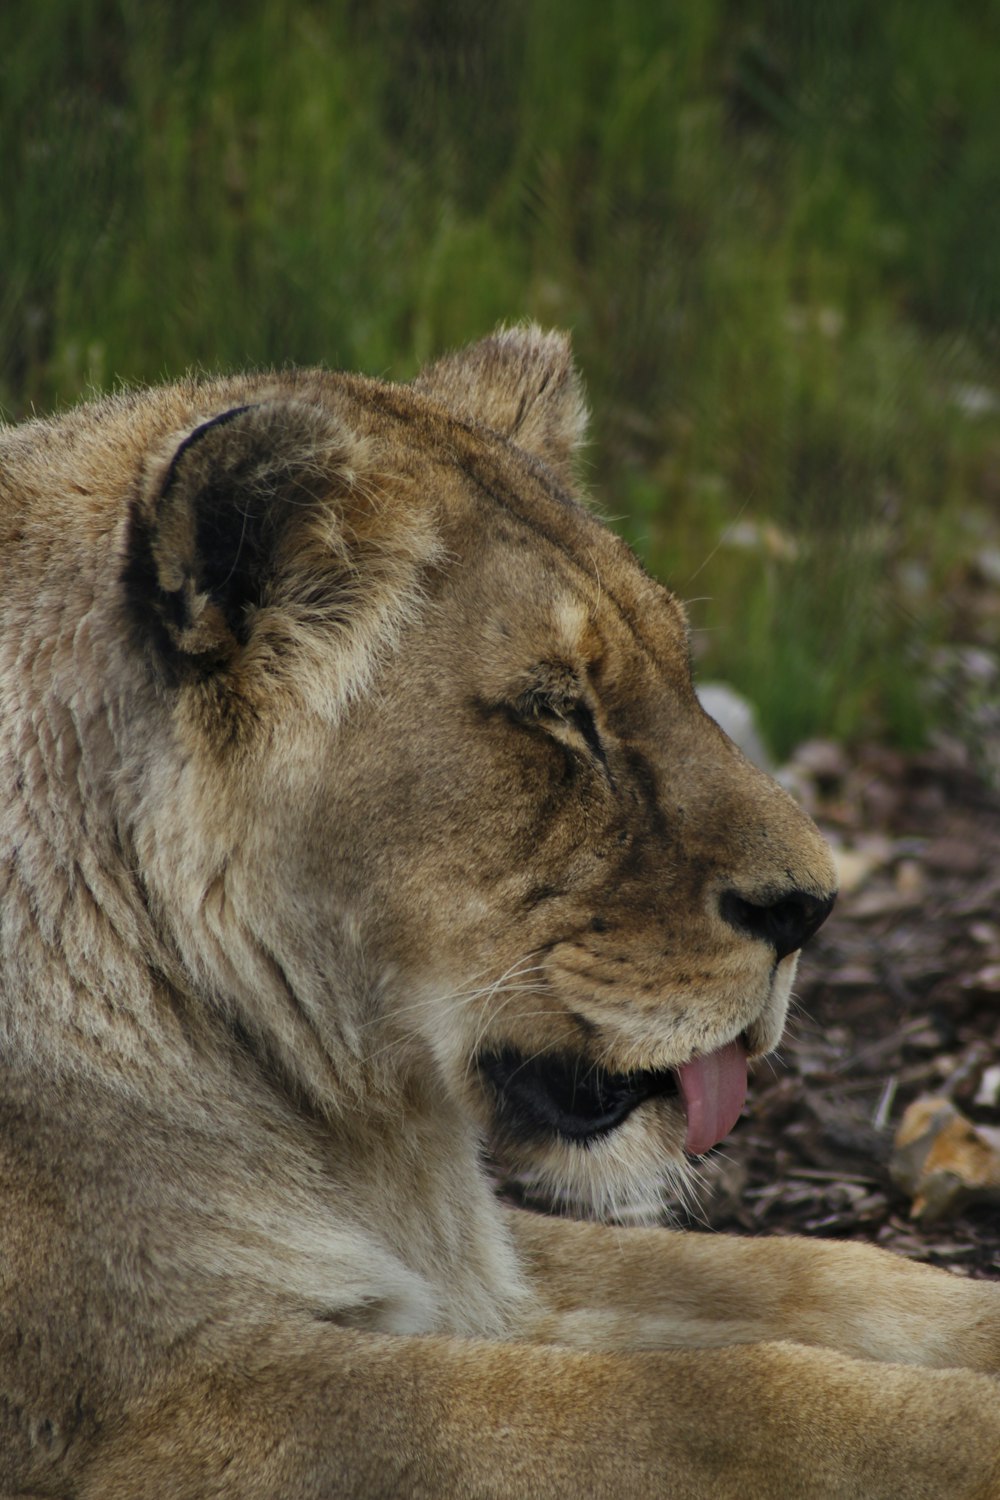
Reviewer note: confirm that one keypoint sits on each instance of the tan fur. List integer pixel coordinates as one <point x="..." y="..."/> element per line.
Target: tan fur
<point x="341" y="748"/>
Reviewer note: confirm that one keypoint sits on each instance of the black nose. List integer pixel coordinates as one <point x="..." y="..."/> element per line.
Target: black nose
<point x="786" y="924"/>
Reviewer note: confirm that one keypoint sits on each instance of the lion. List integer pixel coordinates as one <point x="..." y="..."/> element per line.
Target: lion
<point x="363" y="840"/>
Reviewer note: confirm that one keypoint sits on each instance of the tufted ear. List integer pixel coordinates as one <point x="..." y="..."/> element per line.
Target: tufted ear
<point x="522" y="383"/>
<point x="219" y="516"/>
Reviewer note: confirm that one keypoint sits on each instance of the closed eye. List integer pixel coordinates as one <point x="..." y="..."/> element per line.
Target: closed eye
<point x="570" y="721"/>
<point x="582" y="719"/>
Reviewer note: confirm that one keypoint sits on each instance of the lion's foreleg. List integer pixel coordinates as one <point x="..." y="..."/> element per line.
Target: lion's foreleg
<point x="632" y="1289"/>
<point x="317" y="1413"/>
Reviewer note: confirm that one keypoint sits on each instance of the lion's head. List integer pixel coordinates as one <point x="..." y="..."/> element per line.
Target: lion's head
<point x="413" y="774"/>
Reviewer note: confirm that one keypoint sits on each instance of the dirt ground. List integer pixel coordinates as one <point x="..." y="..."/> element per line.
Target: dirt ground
<point x="898" y="996"/>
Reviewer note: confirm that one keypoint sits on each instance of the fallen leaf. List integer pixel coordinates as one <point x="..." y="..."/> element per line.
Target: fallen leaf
<point x="942" y="1161"/>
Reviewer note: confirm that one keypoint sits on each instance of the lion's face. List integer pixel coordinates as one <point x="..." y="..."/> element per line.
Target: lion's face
<point x="439" y="743"/>
<point x="596" y="900"/>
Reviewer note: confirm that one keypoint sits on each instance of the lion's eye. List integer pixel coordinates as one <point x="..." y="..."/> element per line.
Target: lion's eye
<point x="569" y="720"/>
<point x="582" y="719"/>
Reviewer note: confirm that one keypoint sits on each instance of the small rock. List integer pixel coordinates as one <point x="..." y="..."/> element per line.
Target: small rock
<point x="988" y="1092"/>
<point x="987" y="562"/>
<point x="823" y="759"/>
<point x="737" y="717"/>
<point x="984" y="981"/>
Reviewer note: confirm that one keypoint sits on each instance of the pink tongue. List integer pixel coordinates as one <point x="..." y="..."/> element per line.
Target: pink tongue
<point x="713" y="1089"/>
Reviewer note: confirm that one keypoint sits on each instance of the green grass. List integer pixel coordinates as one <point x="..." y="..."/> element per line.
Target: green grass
<point x="772" y="227"/>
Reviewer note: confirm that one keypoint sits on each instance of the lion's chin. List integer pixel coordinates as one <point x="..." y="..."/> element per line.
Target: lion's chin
<point x="553" y="1094"/>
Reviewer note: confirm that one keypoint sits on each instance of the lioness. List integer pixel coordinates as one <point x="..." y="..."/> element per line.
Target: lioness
<point x="359" y="820"/>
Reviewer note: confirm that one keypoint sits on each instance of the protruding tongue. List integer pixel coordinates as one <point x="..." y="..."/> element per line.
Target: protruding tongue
<point x="713" y="1089"/>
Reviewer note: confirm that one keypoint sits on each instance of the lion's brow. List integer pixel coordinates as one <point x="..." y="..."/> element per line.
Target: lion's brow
<point x="445" y="434"/>
<point x="628" y="616"/>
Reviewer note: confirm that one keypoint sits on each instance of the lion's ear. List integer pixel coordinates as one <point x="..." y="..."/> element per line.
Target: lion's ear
<point x="218" y="515"/>
<point x="521" y="382"/>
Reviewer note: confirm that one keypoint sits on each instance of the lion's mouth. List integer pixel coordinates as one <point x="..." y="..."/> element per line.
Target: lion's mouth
<point x="554" y="1094"/>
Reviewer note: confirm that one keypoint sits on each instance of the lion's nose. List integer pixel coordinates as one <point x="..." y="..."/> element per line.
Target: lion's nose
<point x="786" y="923"/>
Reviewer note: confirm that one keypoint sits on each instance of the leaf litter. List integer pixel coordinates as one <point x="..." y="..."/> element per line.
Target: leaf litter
<point x="896" y="1023"/>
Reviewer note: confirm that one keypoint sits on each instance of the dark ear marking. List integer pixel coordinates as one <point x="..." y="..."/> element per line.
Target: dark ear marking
<point x="195" y="437"/>
<point x="165" y="578"/>
<point x="210" y="532"/>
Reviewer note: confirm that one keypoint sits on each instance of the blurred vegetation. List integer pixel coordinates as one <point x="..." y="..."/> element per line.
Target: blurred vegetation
<point x="772" y="226"/>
